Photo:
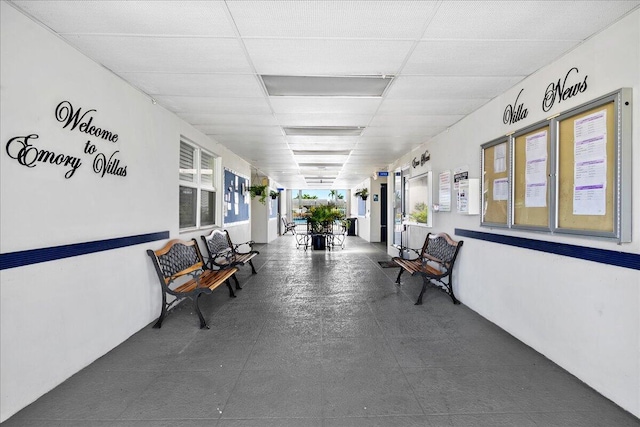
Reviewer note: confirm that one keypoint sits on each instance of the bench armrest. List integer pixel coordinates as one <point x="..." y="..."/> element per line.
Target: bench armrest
<point x="250" y="243"/>
<point x="403" y="249"/>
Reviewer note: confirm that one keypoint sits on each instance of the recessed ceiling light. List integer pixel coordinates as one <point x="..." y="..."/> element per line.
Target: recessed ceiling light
<point x="324" y="130"/>
<point x="346" y="86"/>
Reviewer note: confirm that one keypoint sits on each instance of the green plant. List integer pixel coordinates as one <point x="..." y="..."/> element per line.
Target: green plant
<point x="363" y="193"/>
<point x="273" y="194"/>
<point x="323" y="214"/>
<point x="419" y="213"/>
<point x="259" y="191"/>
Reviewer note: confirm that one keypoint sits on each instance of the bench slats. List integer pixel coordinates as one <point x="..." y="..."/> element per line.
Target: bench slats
<point x="439" y="249"/>
<point x="181" y="259"/>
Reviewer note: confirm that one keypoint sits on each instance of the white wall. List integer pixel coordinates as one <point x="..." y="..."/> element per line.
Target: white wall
<point x="582" y="315"/>
<point x="364" y="222"/>
<point x="57" y="317"/>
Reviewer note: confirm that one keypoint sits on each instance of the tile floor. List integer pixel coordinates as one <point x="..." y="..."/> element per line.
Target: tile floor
<point x="317" y="339"/>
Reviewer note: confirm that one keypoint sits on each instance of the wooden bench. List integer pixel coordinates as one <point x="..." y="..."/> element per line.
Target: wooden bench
<point x="180" y="262"/>
<point x="288" y="226"/>
<point x="223" y="253"/>
<point x="434" y="263"/>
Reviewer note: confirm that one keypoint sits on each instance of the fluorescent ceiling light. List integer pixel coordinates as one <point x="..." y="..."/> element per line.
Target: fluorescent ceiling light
<point x="356" y="86"/>
<point x="320" y="165"/>
<point x="324" y="130"/>
<point x="321" y="152"/>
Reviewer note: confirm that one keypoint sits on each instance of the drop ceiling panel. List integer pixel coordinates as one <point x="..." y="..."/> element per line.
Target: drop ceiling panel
<point x="300" y="120"/>
<point x="326" y="57"/>
<point x="416" y="120"/>
<point x="431" y="106"/>
<point x="230" y="119"/>
<point x="196" y="84"/>
<point x="211" y="105"/>
<point x="133" y="17"/>
<point x="524" y="20"/>
<point x="421" y="134"/>
<point x="244" y="130"/>
<point x="339" y="142"/>
<point x="164" y="54"/>
<point x="479" y="58"/>
<point x="252" y="140"/>
<point x="450" y="87"/>
<point x="317" y="105"/>
<point x="341" y="19"/>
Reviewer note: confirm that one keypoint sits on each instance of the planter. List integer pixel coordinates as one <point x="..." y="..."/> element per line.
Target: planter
<point x="319" y="242"/>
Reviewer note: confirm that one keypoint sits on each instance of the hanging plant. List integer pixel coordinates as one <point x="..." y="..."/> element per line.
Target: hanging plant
<point x="259" y="191"/>
<point x="363" y="193"/>
<point x="273" y="194"/>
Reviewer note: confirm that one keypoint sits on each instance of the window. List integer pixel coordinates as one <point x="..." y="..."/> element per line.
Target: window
<point x="418" y="200"/>
<point x="197" y="189"/>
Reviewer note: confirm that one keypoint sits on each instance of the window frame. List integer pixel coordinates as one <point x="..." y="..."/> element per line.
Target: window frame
<point x="199" y="184"/>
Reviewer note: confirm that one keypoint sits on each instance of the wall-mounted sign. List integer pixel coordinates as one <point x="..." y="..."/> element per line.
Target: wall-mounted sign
<point x="514" y="112"/>
<point x="561" y="92"/>
<point x="424" y="158"/>
<point x="383" y="173"/>
<point x="23" y="148"/>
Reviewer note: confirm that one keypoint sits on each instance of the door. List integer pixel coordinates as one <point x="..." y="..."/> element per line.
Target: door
<point x="383" y="212"/>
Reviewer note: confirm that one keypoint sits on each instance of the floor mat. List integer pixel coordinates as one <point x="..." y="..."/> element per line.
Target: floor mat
<point x="388" y="264"/>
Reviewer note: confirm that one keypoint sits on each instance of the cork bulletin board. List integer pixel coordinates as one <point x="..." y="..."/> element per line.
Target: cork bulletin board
<point x="495" y="183"/>
<point x="531" y="177"/>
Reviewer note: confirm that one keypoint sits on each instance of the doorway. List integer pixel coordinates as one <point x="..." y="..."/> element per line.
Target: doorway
<point x="383" y="213"/>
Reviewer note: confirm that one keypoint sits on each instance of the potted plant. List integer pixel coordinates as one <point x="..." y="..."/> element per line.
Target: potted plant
<point x="320" y="219"/>
<point x="273" y="194"/>
<point x="363" y="193"/>
<point x="259" y="191"/>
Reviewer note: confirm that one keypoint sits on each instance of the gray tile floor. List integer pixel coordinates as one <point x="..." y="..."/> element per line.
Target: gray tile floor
<point x="323" y="339"/>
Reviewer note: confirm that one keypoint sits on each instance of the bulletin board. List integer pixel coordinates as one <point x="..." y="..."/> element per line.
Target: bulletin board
<point x="587" y="169"/>
<point x="531" y="169"/>
<point x="236" y="197"/>
<point x="495" y="183"/>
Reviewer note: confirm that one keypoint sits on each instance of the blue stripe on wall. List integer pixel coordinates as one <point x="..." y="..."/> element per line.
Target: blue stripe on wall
<point x="34" y="256"/>
<point x="618" y="259"/>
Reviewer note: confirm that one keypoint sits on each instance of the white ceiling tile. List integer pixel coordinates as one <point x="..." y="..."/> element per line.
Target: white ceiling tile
<point x="250" y="140"/>
<point x="317" y="105"/>
<point x="341" y="19"/>
<point x="211" y="105"/>
<point x="483" y="57"/>
<point x="133" y="17"/>
<point x="240" y="130"/>
<point x="195" y="84"/>
<point x="230" y="119"/>
<point x="163" y="54"/>
<point x="420" y="133"/>
<point x="524" y="20"/>
<point x="326" y="57"/>
<point x="431" y="106"/>
<point x="416" y="120"/>
<point x="450" y="87"/>
<point x="298" y="120"/>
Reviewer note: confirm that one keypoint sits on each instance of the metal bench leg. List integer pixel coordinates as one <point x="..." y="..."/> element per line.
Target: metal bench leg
<point x="203" y="323"/>
<point x="253" y="270"/>
<point x="231" y="294"/>
<point x="399" y="274"/>
<point x="425" y="282"/>
<point x="163" y="312"/>
<point x="237" y="282"/>
<point x="450" y="289"/>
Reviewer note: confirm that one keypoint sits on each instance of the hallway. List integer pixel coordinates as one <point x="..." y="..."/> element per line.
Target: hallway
<point x="323" y="338"/>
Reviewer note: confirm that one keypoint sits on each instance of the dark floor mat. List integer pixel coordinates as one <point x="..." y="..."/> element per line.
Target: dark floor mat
<point x="388" y="264"/>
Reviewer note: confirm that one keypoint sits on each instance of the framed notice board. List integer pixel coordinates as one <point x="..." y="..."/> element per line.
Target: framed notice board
<point x="594" y="168"/>
<point x="495" y="183"/>
<point x="532" y="154"/>
<point x="569" y="174"/>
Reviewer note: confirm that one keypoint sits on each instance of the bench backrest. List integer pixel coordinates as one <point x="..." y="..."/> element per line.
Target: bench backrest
<point x="176" y="258"/>
<point x="218" y="242"/>
<point x="441" y="247"/>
